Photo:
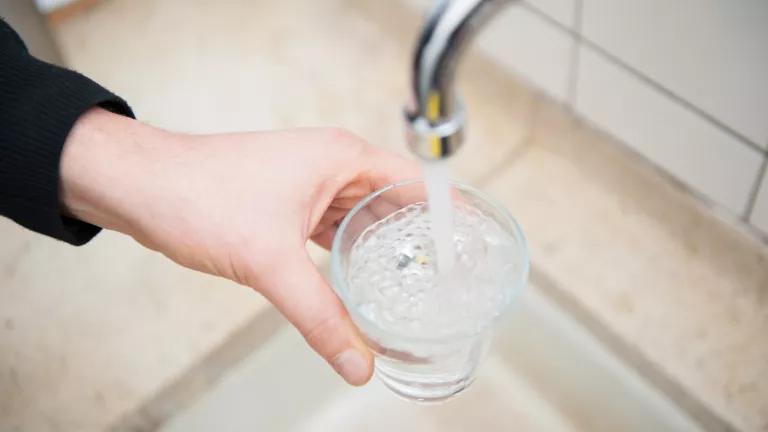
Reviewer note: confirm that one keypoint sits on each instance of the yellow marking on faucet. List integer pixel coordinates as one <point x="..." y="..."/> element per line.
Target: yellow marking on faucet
<point x="433" y="114"/>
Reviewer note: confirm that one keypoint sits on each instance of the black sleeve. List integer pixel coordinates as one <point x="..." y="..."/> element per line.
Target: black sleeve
<point x="39" y="104"/>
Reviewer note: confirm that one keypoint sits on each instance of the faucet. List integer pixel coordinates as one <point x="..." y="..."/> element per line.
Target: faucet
<point x="435" y="116"/>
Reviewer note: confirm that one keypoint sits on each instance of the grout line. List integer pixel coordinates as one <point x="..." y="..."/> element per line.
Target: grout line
<point x="755" y="190"/>
<point x="679" y="99"/>
<point x="649" y="81"/>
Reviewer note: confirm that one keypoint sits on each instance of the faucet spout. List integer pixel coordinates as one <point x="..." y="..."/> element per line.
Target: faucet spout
<point x="435" y="117"/>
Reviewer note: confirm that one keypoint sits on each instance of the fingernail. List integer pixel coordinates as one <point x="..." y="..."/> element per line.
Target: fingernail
<point x="351" y="365"/>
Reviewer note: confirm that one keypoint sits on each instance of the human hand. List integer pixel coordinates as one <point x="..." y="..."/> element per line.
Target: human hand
<point x="240" y="206"/>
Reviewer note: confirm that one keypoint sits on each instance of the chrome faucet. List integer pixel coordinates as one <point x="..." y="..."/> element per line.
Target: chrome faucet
<point x="436" y="117"/>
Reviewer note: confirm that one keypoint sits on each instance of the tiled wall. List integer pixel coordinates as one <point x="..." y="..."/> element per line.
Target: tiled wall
<point x="684" y="83"/>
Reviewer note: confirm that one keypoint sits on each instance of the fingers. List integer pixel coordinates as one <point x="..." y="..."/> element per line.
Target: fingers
<point x="308" y="302"/>
<point x="379" y="208"/>
<point x="391" y="168"/>
<point x="386" y="169"/>
<point x="324" y="237"/>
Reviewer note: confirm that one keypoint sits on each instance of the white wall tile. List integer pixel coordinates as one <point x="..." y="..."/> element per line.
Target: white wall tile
<point x="712" y="53"/>
<point x="532" y="47"/>
<point x="692" y="149"/>
<point x="561" y="11"/>
<point x="760" y="213"/>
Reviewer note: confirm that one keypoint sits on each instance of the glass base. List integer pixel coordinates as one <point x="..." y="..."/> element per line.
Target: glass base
<point x="423" y="389"/>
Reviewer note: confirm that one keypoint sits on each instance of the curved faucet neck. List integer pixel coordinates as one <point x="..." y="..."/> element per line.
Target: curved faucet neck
<point x="436" y="117"/>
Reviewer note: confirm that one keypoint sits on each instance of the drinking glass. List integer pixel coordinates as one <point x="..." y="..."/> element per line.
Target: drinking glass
<point x="421" y="362"/>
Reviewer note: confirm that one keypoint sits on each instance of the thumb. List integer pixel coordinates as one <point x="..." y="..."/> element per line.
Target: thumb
<point x="308" y="302"/>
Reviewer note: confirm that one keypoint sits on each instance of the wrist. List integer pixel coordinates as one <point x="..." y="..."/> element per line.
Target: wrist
<point x="103" y="168"/>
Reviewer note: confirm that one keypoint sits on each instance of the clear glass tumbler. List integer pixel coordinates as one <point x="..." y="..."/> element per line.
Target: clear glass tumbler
<point x="429" y="331"/>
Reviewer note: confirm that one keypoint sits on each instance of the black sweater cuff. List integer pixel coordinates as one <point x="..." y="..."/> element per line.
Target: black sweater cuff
<point x="39" y="104"/>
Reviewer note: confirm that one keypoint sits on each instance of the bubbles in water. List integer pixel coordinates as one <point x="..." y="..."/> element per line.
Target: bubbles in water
<point x="393" y="273"/>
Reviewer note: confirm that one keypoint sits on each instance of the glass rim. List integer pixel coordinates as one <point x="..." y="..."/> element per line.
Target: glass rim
<point x="338" y="275"/>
